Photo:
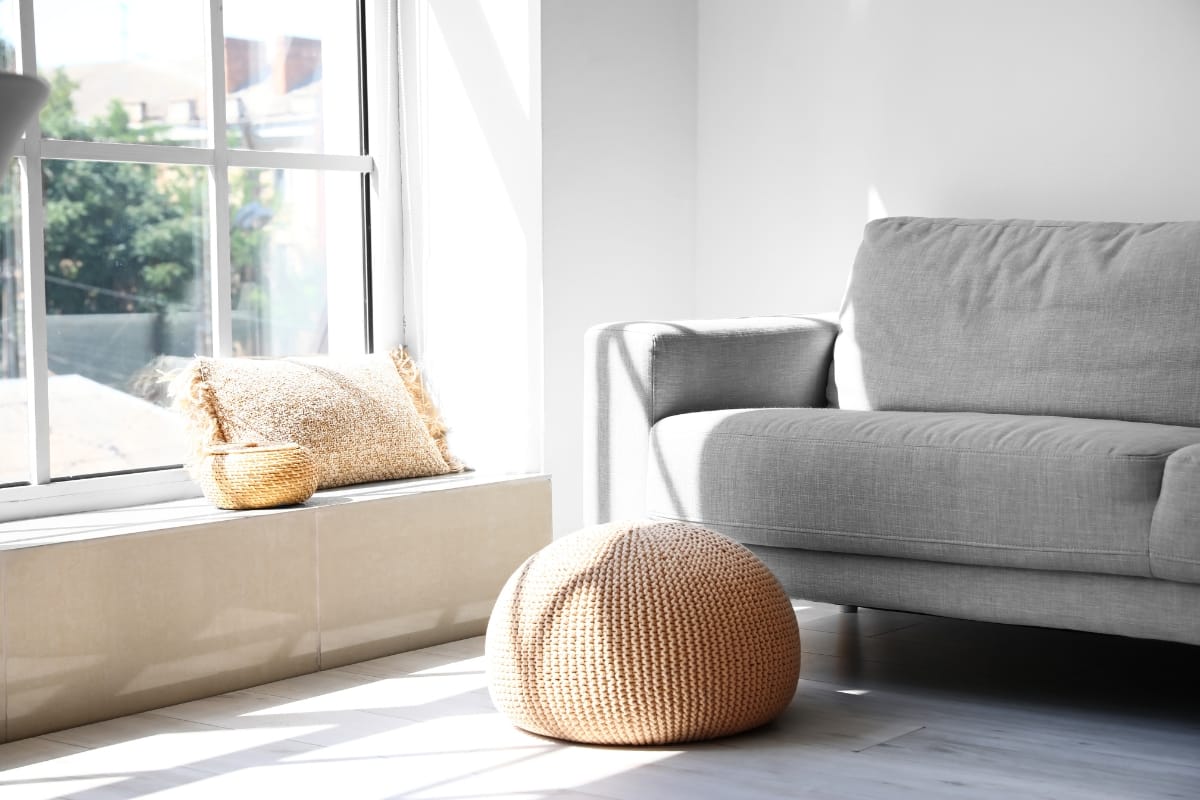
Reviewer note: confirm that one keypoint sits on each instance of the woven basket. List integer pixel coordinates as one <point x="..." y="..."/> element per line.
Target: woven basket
<point x="252" y="475"/>
<point x="642" y="633"/>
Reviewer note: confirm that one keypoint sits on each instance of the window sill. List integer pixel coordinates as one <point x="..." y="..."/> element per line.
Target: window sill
<point x="157" y="517"/>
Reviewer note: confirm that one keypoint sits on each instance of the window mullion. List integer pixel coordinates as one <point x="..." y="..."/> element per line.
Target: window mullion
<point x="33" y="256"/>
<point x="124" y="152"/>
<point x="275" y="159"/>
<point x="37" y="372"/>
<point x="221" y="292"/>
<point x="383" y="79"/>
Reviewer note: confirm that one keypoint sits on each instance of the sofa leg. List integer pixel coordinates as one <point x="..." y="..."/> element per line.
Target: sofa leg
<point x="848" y="609"/>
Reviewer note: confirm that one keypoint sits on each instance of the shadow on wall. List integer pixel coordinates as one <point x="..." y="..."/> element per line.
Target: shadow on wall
<point x="488" y="73"/>
<point x="614" y="358"/>
<point x="472" y="240"/>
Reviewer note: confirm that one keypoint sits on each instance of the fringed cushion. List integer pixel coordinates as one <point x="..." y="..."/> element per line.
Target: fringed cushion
<point x="363" y="418"/>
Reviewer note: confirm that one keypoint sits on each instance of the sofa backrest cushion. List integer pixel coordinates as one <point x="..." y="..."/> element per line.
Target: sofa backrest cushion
<point x="1083" y="319"/>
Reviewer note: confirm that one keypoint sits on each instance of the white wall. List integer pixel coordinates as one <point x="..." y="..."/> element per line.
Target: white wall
<point x="472" y="240"/>
<point x="816" y="115"/>
<point x="619" y="193"/>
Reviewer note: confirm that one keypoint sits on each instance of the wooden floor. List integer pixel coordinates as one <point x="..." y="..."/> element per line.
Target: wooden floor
<point x="889" y="705"/>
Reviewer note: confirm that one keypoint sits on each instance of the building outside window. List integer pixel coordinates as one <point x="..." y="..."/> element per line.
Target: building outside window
<point x="198" y="186"/>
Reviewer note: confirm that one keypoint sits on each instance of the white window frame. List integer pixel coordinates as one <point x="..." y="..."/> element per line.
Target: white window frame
<point x="382" y="322"/>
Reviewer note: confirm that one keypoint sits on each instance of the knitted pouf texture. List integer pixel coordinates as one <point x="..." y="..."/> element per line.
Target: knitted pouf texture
<point x="642" y="633"/>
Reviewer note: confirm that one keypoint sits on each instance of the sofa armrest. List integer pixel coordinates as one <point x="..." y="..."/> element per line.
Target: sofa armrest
<point x="637" y="373"/>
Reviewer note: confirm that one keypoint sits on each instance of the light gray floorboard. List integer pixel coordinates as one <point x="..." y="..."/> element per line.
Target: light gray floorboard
<point x="889" y="705"/>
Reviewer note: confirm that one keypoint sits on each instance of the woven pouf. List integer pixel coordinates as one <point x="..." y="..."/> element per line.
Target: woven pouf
<point x="642" y="633"/>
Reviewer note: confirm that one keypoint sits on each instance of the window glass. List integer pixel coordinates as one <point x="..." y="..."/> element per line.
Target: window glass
<point x="131" y="252"/>
<point x="124" y="70"/>
<point x="295" y="236"/>
<point x="127" y="288"/>
<point x="10" y="34"/>
<point x="291" y="76"/>
<point x="14" y="404"/>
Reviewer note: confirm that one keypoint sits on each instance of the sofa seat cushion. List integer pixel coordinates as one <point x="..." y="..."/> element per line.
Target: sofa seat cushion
<point x="1053" y="493"/>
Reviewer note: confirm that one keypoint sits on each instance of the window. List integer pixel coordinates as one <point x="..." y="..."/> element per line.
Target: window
<point x="198" y="184"/>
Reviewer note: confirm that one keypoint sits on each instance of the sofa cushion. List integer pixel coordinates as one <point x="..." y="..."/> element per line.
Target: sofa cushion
<point x="989" y="489"/>
<point x="1081" y="319"/>
<point x="1175" y="532"/>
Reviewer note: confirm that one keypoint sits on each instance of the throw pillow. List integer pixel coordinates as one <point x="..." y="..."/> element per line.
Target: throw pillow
<point x="364" y="418"/>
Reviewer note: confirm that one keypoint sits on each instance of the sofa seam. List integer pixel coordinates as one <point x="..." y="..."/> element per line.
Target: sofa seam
<point x="805" y="330"/>
<point x="981" y="545"/>
<point x="650" y="369"/>
<point x="1183" y="559"/>
<point x="973" y="451"/>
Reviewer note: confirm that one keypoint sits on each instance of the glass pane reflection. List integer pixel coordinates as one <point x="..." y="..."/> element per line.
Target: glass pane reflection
<point x="127" y="284"/>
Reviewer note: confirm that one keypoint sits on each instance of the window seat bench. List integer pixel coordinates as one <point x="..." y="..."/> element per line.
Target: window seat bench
<point x="113" y="612"/>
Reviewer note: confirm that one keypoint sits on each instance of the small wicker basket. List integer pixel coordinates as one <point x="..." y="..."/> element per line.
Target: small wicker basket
<point x="253" y="475"/>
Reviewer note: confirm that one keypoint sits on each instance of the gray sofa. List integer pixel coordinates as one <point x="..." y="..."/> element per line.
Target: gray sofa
<point x="1003" y="423"/>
